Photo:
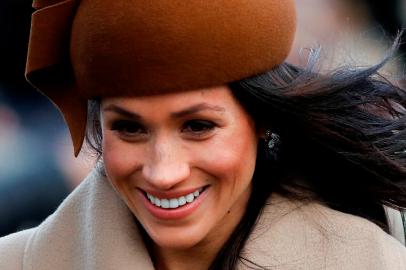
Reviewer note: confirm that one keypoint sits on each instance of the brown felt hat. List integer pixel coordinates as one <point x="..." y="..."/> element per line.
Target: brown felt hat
<point x="84" y="49"/>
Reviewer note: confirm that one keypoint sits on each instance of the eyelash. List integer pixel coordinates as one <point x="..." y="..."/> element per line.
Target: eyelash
<point x="195" y="128"/>
<point x="127" y="128"/>
<point x="204" y="127"/>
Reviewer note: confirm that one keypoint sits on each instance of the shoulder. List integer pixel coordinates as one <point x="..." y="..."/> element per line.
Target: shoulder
<point x="12" y="249"/>
<point x="18" y="250"/>
<point x="358" y="240"/>
<point x="312" y="235"/>
<point x="80" y="233"/>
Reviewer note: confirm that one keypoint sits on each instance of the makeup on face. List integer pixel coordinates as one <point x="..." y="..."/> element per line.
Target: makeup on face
<point x="181" y="161"/>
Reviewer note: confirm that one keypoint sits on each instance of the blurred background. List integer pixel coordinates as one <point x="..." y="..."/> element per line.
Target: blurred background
<point x="37" y="168"/>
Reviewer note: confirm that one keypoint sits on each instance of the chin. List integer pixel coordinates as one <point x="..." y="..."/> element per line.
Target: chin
<point x="179" y="238"/>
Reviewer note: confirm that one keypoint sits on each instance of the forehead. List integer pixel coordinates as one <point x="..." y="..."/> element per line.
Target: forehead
<point x="215" y="96"/>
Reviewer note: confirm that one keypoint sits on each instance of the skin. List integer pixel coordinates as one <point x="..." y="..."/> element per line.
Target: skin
<point x="179" y="141"/>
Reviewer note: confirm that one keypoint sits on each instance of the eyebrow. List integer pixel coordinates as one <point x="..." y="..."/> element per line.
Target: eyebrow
<point x="187" y="111"/>
<point x="197" y="108"/>
<point x="121" y="111"/>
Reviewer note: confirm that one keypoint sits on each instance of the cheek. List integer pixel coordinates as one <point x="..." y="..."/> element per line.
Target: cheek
<point x="232" y="157"/>
<point x="118" y="158"/>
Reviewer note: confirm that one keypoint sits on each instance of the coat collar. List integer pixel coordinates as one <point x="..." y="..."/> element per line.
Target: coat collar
<point x="93" y="229"/>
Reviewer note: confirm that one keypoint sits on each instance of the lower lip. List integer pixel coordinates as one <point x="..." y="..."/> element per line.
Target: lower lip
<point x="171" y="214"/>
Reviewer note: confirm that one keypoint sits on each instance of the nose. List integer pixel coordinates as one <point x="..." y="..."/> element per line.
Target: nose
<point x="166" y="165"/>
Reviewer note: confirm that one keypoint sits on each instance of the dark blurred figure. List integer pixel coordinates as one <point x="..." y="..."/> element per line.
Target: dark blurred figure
<point x="31" y="183"/>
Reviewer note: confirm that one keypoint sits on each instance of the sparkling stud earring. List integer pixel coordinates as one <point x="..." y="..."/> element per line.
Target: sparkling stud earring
<point x="272" y="139"/>
<point x="272" y="143"/>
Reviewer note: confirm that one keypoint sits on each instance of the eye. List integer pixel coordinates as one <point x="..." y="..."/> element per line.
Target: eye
<point x="128" y="128"/>
<point x="198" y="127"/>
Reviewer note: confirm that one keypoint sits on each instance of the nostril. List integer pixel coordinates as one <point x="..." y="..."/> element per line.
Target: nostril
<point x="165" y="176"/>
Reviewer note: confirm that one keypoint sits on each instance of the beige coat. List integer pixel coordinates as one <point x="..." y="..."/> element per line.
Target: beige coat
<point x="93" y="229"/>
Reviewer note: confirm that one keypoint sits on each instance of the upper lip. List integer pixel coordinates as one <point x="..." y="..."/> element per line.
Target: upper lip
<point x="172" y="193"/>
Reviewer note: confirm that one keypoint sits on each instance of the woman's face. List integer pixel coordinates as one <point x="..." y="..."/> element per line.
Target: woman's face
<point x="183" y="162"/>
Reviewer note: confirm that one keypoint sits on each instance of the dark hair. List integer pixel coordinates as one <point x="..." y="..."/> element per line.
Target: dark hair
<point x="341" y="133"/>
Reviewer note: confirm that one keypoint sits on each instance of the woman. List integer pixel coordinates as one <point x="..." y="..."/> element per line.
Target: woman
<point x="214" y="154"/>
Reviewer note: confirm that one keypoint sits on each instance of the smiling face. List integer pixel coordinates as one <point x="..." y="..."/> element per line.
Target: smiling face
<point x="183" y="162"/>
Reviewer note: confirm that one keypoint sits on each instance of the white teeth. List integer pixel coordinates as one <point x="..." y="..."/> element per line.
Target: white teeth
<point x="157" y="201"/>
<point x="164" y="203"/>
<point x="182" y="201"/>
<point x="174" y="202"/>
<point x="151" y="198"/>
<point x="190" y="198"/>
